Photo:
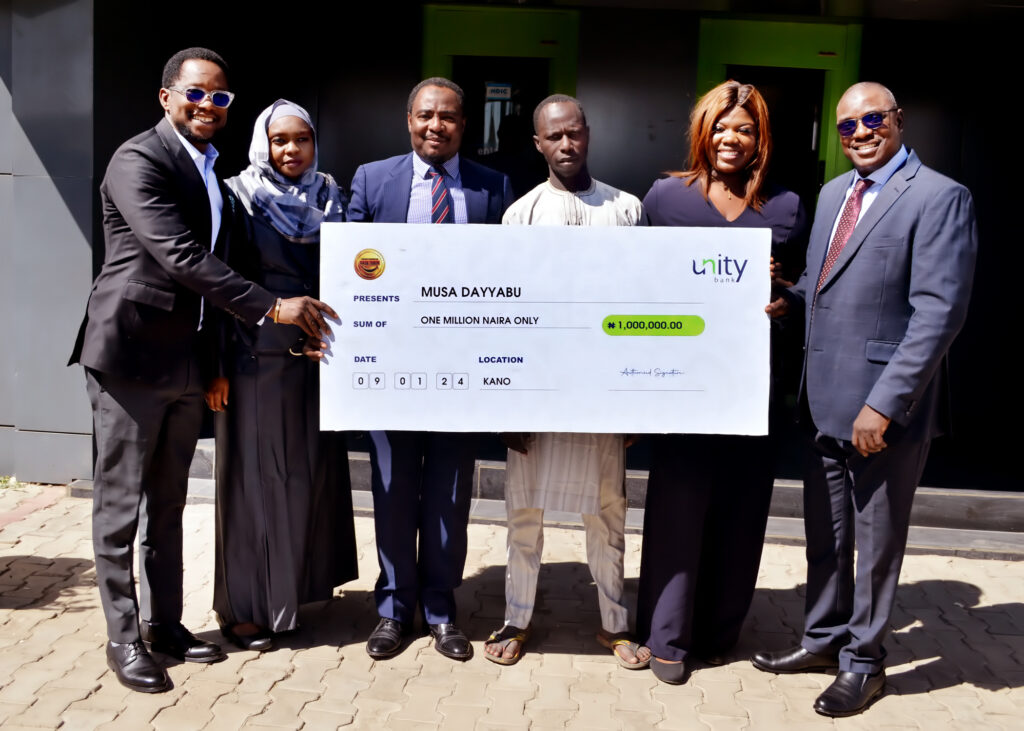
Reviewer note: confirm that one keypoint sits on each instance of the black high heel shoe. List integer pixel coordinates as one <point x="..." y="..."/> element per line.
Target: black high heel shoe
<point x="259" y="641"/>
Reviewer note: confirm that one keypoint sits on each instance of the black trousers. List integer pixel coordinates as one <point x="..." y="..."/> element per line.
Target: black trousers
<point x="704" y="522"/>
<point x="145" y="438"/>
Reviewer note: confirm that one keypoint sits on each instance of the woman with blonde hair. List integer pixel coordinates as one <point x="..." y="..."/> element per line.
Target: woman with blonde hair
<point x="708" y="495"/>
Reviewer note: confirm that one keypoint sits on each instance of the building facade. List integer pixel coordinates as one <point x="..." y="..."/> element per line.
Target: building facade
<point x="78" y="77"/>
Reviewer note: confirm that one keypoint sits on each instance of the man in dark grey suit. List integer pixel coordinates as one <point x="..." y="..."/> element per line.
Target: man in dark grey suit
<point x="164" y="213"/>
<point x="885" y="291"/>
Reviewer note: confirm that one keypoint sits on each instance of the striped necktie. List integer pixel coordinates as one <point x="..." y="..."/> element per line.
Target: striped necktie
<point x="440" y="200"/>
<point x="847" y="222"/>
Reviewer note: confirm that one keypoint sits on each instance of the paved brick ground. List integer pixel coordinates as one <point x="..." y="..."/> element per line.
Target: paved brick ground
<point x="956" y="655"/>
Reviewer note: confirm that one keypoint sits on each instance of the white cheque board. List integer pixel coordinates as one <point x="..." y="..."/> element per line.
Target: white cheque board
<point x="546" y="328"/>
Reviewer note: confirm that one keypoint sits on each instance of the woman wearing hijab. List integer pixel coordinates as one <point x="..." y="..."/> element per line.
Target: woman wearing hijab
<point x="284" y="506"/>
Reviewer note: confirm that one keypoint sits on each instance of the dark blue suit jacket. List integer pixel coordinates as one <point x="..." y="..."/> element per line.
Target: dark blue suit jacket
<point x="892" y="304"/>
<point x="407" y="496"/>
<point x="380" y="191"/>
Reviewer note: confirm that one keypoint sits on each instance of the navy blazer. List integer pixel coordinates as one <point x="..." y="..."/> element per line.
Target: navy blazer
<point x="143" y="311"/>
<point x="380" y="191"/>
<point x="892" y="304"/>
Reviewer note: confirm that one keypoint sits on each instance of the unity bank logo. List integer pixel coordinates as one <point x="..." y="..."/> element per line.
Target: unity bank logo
<point x="369" y="264"/>
<point x="723" y="269"/>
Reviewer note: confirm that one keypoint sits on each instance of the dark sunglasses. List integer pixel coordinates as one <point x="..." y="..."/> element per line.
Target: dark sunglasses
<point x="871" y="120"/>
<point x="220" y="99"/>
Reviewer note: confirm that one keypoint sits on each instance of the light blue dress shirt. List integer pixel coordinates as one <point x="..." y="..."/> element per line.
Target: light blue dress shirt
<point x="878" y="180"/>
<point x="419" y="195"/>
<point x="204" y="164"/>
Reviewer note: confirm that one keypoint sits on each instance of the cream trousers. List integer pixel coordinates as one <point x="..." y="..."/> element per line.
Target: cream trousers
<point x="606" y="543"/>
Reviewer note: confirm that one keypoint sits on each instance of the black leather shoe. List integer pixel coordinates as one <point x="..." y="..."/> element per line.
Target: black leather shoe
<point x="850" y="693"/>
<point x="136" y="669"/>
<point x="259" y="641"/>
<point x="451" y="641"/>
<point x="386" y="638"/>
<point x="794" y="660"/>
<point x="179" y="643"/>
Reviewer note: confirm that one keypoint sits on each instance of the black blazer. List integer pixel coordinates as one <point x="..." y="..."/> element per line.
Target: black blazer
<point x="143" y="310"/>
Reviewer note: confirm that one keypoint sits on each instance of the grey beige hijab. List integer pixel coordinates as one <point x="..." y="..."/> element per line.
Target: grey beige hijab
<point x="295" y="208"/>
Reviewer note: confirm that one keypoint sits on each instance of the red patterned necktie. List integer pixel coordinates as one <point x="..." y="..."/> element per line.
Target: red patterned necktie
<point x="847" y="222"/>
<point x="440" y="200"/>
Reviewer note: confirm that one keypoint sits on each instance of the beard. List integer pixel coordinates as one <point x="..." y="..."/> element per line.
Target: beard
<point x="192" y="137"/>
<point x="437" y="160"/>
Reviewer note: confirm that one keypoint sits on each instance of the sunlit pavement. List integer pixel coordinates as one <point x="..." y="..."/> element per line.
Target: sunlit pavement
<point x="956" y="655"/>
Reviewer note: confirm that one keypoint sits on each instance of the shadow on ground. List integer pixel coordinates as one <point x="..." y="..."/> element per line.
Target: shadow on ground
<point x="33" y="582"/>
<point x="942" y="634"/>
<point x="940" y="638"/>
<point x="938" y="628"/>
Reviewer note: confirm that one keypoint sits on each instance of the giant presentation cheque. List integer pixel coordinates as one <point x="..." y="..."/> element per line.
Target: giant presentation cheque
<point x="537" y="328"/>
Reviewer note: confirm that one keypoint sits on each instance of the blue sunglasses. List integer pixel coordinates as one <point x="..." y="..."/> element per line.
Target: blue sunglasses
<point x="194" y="95"/>
<point x="871" y="120"/>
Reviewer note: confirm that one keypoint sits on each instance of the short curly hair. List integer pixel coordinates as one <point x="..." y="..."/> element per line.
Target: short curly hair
<point x="172" y="69"/>
<point x="443" y="83"/>
<point x="557" y="99"/>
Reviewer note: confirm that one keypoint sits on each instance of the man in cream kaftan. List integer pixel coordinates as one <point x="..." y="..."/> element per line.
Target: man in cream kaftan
<point x="578" y="473"/>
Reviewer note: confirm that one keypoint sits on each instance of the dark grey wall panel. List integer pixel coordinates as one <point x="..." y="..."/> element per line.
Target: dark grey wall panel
<point x="5" y="87"/>
<point x="52" y="457"/>
<point x="6" y="271"/>
<point x="638" y="98"/>
<point x="7" y="436"/>
<point x="52" y="68"/>
<point x="10" y="348"/>
<point x="53" y="263"/>
<point x="7" y="433"/>
<point x="48" y="243"/>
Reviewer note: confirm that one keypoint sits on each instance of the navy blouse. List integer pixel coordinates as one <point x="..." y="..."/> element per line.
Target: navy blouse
<point x="671" y="202"/>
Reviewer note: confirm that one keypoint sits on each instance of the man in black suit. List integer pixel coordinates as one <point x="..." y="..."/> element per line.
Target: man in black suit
<point x="422" y="481"/>
<point x="164" y="214"/>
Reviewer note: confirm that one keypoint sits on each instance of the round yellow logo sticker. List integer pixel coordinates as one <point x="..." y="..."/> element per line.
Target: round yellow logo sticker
<point x="369" y="264"/>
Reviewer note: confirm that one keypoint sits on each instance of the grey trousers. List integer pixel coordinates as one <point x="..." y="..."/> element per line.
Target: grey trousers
<point x="851" y="501"/>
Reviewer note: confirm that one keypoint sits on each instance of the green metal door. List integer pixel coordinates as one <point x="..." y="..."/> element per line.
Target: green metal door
<point x="832" y="48"/>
